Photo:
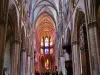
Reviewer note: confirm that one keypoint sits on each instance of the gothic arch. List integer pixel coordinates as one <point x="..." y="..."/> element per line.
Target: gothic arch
<point x="39" y="7"/>
<point x="51" y="4"/>
<point x="49" y="15"/>
<point x="45" y="28"/>
<point x="80" y="36"/>
<point x="46" y="22"/>
<point x="11" y="38"/>
<point x="13" y="18"/>
<point x="68" y="36"/>
<point x="78" y="16"/>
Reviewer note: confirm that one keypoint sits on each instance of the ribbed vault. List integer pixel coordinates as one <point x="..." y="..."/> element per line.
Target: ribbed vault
<point x="40" y="6"/>
<point x="45" y="26"/>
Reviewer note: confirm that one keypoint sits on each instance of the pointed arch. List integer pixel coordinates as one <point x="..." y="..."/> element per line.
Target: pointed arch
<point x="80" y="39"/>
<point x="13" y="19"/>
<point x="49" y="16"/>
<point x="68" y="36"/>
<point x="51" y="4"/>
<point x="80" y="15"/>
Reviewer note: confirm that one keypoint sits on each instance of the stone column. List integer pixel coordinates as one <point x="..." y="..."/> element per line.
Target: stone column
<point x="29" y="65"/>
<point x="93" y="48"/>
<point x="3" y="26"/>
<point x="76" y="58"/>
<point x="15" y="57"/>
<point x="23" y="62"/>
<point x="2" y="43"/>
<point x="33" y="62"/>
<point x="62" y="60"/>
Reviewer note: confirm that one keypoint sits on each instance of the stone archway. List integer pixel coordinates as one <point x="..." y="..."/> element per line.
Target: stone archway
<point x="83" y="46"/>
<point x="80" y="34"/>
<point x="12" y="43"/>
<point x="45" y="31"/>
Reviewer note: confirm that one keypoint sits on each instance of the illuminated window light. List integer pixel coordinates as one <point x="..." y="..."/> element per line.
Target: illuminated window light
<point x="47" y="64"/>
<point x="42" y="39"/>
<point x="51" y="51"/>
<point x="41" y="42"/>
<point x="47" y="51"/>
<point x="46" y="42"/>
<point x="47" y="68"/>
<point x="42" y="51"/>
<point x="51" y="43"/>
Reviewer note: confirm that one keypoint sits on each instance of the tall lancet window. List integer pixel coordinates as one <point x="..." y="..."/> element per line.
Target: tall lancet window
<point x="46" y="42"/>
<point x="46" y="45"/>
<point x="51" y="42"/>
<point x="42" y="42"/>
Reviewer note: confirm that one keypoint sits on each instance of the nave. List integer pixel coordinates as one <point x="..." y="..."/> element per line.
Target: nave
<point x="49" y="37"/>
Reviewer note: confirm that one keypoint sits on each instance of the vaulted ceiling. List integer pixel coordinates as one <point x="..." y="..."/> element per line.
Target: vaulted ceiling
<point x="43" y="17"/>
<point x="45" y="26"/>
<point x="40" y="6"/>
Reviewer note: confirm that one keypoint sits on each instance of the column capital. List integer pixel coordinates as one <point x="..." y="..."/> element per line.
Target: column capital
<point x="16" y="41"/>
<point x="23" y="50"/>
<point x="28" y="55"/>
<point x="75" y="42"/>
<point x="91" y="24"/>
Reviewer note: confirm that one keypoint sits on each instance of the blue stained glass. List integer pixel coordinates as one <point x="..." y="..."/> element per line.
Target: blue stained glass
<point x="46" y="51"/>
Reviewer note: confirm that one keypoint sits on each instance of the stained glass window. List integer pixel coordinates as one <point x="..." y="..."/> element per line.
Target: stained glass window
<point x="41" y="42"/>
<point x="46" y="42"/>
<point x="46" y="46"/>
<point x="42" y="51"/>
<point x="47" y="51"/>
<point x="47" y="64"/>
<point x="51" y="42"/>
<point x="51" y="51"/>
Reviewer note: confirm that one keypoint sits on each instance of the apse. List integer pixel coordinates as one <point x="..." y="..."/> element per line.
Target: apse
<point x="45" y="43"/>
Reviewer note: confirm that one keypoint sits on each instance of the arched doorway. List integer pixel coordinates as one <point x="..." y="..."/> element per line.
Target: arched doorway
<point x="45" y="43"/>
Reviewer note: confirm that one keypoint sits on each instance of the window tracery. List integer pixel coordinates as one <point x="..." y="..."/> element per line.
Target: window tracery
<point x="46" y="45"/>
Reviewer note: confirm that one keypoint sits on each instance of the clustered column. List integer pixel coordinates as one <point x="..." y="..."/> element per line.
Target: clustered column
<point x="76" y="61"/>
<point x="23" y="61"/>
<point x="15" y="57"/>
<point x="2" y="41"/>
<point x="28" y="65"/>
<point x="3" y="25"/>
<point x="93" y="46"/>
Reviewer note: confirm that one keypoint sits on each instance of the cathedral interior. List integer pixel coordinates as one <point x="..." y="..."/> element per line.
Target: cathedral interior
<point x="49" y="37"/>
